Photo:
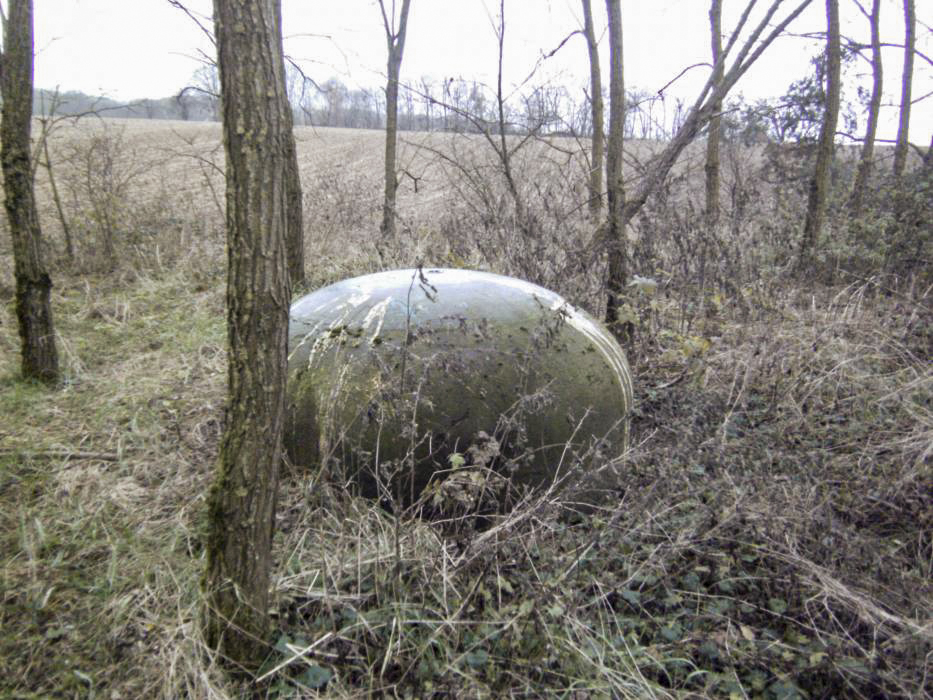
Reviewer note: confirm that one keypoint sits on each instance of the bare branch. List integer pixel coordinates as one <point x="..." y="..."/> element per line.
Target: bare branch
<point x="390" y="28"/>
<point x="681" y="74"/>
<point x="862" y="9"/>
<point x="194" y="18"/>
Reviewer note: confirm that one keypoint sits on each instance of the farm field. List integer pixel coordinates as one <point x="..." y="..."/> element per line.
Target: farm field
<point x="773" y="534"/>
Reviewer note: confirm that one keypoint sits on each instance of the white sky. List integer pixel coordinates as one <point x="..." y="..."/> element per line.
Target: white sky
<point x="127" y="49"/>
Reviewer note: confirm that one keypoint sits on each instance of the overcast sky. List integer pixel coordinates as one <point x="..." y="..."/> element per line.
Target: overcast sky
<point x="127" y="49"/>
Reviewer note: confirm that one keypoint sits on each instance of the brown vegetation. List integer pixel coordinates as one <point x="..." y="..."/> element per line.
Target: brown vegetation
<point x="772" y="535"/>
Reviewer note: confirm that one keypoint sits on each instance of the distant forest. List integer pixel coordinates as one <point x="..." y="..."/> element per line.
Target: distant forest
<point x="466" y="106"/>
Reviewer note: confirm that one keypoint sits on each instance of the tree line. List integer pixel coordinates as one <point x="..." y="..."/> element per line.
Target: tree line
<point x="426" y="105"/>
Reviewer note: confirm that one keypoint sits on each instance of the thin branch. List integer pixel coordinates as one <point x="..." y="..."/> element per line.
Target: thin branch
<point x="862" y="10"/>
<point x="858" y="46"/>
<point x="207" y="32"/>
<point x="681" y="74"/>
<point x="550" y="54"/>
<point x="195" y="88"/>
<point x="390" y="28"/>
<point x="922" y="97"/>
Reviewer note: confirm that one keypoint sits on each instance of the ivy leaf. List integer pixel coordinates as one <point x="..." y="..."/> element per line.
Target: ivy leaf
<point x="315" y="676"/>
<point x="816" y="658"/>
<point x="777" y="605"/>
<point x="691" y="581"/>
<point x="477" y="658"/>
<point x="784" y="690"/>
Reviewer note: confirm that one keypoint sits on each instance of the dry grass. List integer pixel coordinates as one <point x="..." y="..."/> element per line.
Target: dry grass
<point x="772" y="538"/>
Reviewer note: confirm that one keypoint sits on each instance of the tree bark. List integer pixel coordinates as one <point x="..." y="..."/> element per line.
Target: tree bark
<point x="294" y="217"/>
<point x="715" y="123"/>
<point x="863" y="173"/>
<point x="900" y="149"/>
<point x="294" y="220"/>
<point x="615" y="186"/>
<point x="395" y="41"/>
<point x="241" y="503"/>
<point x="819" y="183"/>
<point x="33" y="284"/>
<point x="596" y="105"/>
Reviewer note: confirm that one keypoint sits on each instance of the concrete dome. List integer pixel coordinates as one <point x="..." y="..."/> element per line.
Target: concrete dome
<point x="401" y="376"/>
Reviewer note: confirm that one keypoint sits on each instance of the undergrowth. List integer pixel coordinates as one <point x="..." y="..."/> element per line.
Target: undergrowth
<point x="771" y="538"/>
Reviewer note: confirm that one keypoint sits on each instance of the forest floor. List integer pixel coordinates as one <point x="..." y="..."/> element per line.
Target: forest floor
<point x="773" y="536"/>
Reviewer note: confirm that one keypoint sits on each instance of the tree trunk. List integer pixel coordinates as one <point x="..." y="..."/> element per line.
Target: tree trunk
<point x="294" y="217"/>
<point x="819" y="184"/>
<point x="596" y="104"/>
<point x="33" y="284"/>
<point x="868" y="145"/>
<point x="715" y="123"/>
<point x="395" y="41"/>
<point x="900" y="149"/>
<point x="294" y="221"/>
<point x="241" y="504"/>
<point x="62" y="219"/>
<point x="622" y="328"/>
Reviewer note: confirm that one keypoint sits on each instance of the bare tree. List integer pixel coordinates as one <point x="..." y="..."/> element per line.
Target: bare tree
<point x="241" y="503"/>
<point x="149" y="108"/>
<point x="819" y="183"/>
<point x="622" y="328"/>
<point x="33" y="284"/>
<point x="596" y="105"/>
<point x="714" y="135"/>
<point x="206" y="83"/>
<point x="704" y="107"/>
<point x="395" y="41"/>
<point x="502" y="149"/>
<point x="868" y="145"/>
<point x="427" y="93"/>
<point x="185" y="102"/>
<point x="900" y="149"/>
<point x="47" y="123"/>
<point x="474" y="114"/>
